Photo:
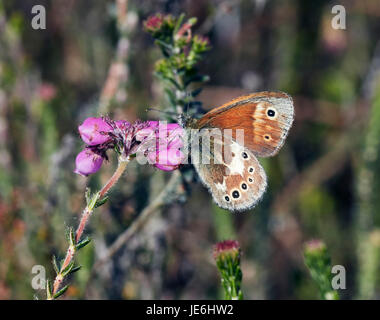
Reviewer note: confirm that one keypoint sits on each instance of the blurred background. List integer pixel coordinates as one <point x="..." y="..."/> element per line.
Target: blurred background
<point x="324" y="184"/>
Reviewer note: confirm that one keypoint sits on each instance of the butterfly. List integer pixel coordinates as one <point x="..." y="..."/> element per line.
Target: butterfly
<point x="238" y="182"/>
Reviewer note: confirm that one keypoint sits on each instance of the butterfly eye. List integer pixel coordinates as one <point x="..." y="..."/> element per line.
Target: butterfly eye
<point x="244" y="186"/>
<point x="244" y="155"/>
<point x="271" y="113"/>
<point x="235" y="194"/>
<point x="227" y="198"/>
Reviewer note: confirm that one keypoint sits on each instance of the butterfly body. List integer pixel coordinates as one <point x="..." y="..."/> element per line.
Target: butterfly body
<point x="233" y="174"/>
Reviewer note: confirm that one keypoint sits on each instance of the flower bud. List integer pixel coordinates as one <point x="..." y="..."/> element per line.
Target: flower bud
<point x="227" y="248"/>
<point x="87" y="162"/>
<point x="318" y="261"/>
<point x="154" y="23"/>
<point x="227" y="257"/>
<point x="94" y="131"/>
<point x="47" y="92"/>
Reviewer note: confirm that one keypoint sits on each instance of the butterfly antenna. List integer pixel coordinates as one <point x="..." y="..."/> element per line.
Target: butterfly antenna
<point x="161" y="111"/>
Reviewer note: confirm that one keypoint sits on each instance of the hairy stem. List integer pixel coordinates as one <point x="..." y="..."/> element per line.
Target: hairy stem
<point x="88" y="210"/>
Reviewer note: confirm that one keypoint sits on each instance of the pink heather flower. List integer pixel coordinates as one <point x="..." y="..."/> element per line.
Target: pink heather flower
<point x="160" y="143"/>
<point x="94" y="131"/>
<point x="47" y="91"/>
<point x="167" y="154"/>
<point x="226" y="247"/>
<point x="202" y="40"/>
<point x="315" y="245"/>
<point x="87" y="162"/>
<point x="154" y="23"/>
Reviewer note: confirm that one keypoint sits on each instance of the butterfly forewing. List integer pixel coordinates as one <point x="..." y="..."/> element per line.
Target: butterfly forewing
<point x="265" y="117"/>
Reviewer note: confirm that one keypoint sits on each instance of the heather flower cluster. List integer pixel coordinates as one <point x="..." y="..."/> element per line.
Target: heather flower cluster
<point x="159" y="143"/>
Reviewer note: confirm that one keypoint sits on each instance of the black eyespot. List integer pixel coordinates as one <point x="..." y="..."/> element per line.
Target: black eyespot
<point x="250" y="169"/>
<point x="235" y="194"/>
<point x="227" y="198"/>
<point x="244" y="155"/>
<point x="266" y="137"/>
<point x="244" y="186"/>
<point x="271" y="113"/>
<point x="250" y="180"/>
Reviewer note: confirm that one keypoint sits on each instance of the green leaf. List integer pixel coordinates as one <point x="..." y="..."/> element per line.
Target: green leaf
<point x="68" y="269"/>
<point x="171" y="96"/>
<point x="75" y="269"/>
<point x="197" y="78"/>
<point x="177" y="85"/>
<point x="83" y="243"/>
<point x="178" y="23"/>
<point x="61" y="292"/>
<point x="93" y="200"/>
<point x="166" y="49"/>
<point x="48" y="290"/>
<point x="101" y="202"/>
<point x="72" y="236"/>
<point x="55" y="264"/>
<point x="195" y="92"/>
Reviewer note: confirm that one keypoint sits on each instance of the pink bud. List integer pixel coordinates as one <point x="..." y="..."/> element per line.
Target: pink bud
<point x="154" y="23"/>
<point x="226" y="247"/>
<point x="47" y="91"/>
<point x="94" y="131"/>
<point x="87" y="162"/>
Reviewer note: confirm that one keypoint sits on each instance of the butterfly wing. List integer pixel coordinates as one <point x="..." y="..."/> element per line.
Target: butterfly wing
<point x="266" y="118"/>
<point x="238" y="182"/>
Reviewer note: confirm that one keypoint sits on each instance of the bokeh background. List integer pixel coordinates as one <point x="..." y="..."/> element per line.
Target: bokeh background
<point x="324" y="184"/>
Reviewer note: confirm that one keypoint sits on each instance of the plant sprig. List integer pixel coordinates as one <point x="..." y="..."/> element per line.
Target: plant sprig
<point x="67" y="266"/>
<point x="181" y="53"/>
<point x="227" y="257"/>
<point x="318" y="261"/>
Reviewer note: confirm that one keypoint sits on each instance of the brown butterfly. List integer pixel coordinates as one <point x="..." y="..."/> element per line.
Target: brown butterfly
<point x="238" y="182"/>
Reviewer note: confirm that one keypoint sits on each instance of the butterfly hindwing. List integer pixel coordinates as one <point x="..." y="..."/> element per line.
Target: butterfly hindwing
<point x="238" y="183"/>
